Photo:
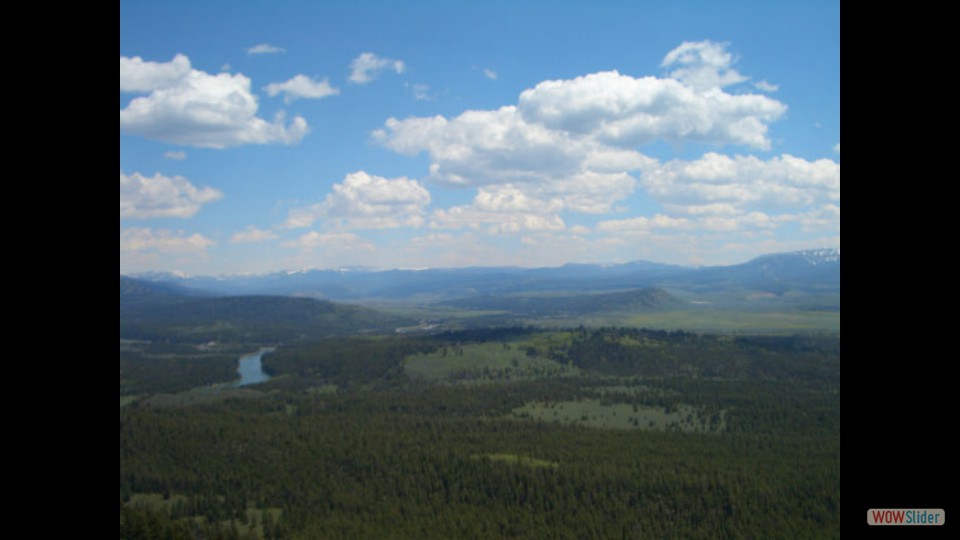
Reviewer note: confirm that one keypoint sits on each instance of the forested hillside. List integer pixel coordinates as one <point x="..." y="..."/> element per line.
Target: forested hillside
<point x="635" y="433"/>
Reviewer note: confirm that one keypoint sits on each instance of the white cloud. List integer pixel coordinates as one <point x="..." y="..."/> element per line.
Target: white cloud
<point x="368" y="66"/>
<point x="494" y="222"/>
<point x="421" y="92"/>
<point x="743" y="222"/>
<point x="142" y="240"/>
<point x="502" y="210"/>
<point x="490" y="74"/>
<point x="337" y="241"/>
<point x="824" y="217"/>
<point x="586" y="126"/>
<point x="301" y="218"/>
<point x="590" y="192"/>
<point x="175" y="155"/>
<point x="303" y="87"/>
<point x="703" y="209"/>
<point x="198" y="109"/>
<point x="265" y="48"/>
<point x="624" y="111"/>
<point x="837" y="148"/>
<point x="143" y="197"/>
<point x="571" y="146"/>
<point x="703" y="65"/>
<point x="136" y="75"/>
<point x="572" y="143"/>
<point x="252" y="235"/>
<point x="745" y="183"/>
<point x="765" y="86"/>
<point x="509" y="199"/>
<point x="363" y="201"/>
<point x="644" y="224"/>
<point x="433" y="240"/>
<point x="481" y="148"/>
<point x="720" y="199"/>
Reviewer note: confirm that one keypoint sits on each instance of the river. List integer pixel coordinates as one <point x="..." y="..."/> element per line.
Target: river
<point x="251" y="368"/>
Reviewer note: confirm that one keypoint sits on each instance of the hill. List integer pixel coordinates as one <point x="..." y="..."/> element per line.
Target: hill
<point x="812" y="271"/>
<point x="155" y="312"/>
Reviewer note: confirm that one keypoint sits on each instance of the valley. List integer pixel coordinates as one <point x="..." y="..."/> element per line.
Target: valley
<point x="676" y="408"/>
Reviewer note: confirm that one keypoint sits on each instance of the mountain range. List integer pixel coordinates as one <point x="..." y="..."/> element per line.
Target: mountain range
<point x="812" y="271"/>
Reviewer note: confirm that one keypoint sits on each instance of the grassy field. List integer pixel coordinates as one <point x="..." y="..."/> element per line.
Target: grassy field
<point x="761" y="313"/>
<point x="126" y="400"/>
<point x="591" y="413"/>
<point x="485" y="362"/>
<point x="706" y="320"/>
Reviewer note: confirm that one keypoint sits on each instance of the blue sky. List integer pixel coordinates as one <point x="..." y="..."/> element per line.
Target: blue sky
<point x="261" y="136"/>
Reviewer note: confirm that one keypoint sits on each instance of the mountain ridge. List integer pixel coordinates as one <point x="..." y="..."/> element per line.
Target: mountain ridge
<point x="815" y="270"/>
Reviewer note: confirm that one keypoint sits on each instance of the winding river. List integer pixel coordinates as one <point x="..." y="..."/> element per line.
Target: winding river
<point x="251" y="368"/>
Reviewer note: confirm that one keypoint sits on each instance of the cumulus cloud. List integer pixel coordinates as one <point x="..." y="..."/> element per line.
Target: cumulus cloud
<point x="703" y="65"/>
<point x="368" y="66"/>
<point x="741" y="195"/>
<point x="744" y="182"/>
<point x="136" y="75"/>
<point x="302" y="87"/>
<point x="573" y="143"/>
<point x="502" y="210"/>
<point x="703" y="209"/>
<point x="643" y="224"/>
<point x="494" y="222"/>
<point x="433" y="240"/>
<point x="143" y="240"/>
<point x="481" y="148"/>
<point x="577" y="139"/>
<point x="824" y="217"/>
<point x="765" y="86"/>
<point x="743" y="222"/>
<point x="160" y="196"/>
<point x="364" y="201"/>
<point x="572" y="147"/>
<point x="190" y="107"/>
<point x="252" y="235"/>
<point x="509" y="199"/>
<point x="338" y="241"/>
<point x="627" y="112"/>
<point x="484" y="147"/>
<point x="265" y="48"/>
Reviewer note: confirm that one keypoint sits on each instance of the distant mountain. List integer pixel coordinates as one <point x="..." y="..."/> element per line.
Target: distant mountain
<point x="629" y="301"/>
<point x="431" y="285"/>
<point x="161" y="312"/>
<point x="810" y="271"/>
<point x="141" y="290"/>
<point x="804" y="271"/>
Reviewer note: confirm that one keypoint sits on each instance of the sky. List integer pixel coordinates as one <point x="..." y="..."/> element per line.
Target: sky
<point x="263" y="136"/>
